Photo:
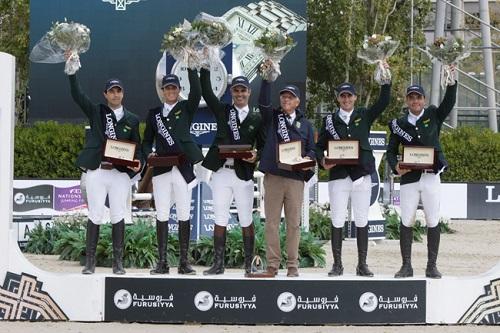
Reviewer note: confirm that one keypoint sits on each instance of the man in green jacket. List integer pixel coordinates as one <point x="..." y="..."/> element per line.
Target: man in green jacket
<point x="236" y="124"/>
<point x="420" y="126"/>
<point x="167" y="127"/>
<point x="104" y="179"/>
<point x="350" y="181"/>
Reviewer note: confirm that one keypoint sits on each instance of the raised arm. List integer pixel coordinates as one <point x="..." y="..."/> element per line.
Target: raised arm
<point x="265" y="106"/>
<point x="206" y="90"/>
<point x="194" y="93"/>
<point x="447" y="103"/>
<point x="383" y="100"/>
<point x="80" y="97"/>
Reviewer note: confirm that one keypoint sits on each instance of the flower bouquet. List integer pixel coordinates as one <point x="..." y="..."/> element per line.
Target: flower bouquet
<point x="274" y="45"/>
<point x="448" y="51"/>
<point x="181" y="42"/>
<point x="64" y="42"/>
<point x="376" y="49"/>
<point x="213" y="33"/>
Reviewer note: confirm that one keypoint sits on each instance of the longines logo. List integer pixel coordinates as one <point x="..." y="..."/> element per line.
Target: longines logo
<point x="198" y="129"/>
<point x="490" y="198"/>
<point x="121" y="4"/>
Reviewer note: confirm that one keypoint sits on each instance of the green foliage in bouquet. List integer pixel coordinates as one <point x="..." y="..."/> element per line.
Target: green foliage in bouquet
<point x="70" y="35"/>
<point x="448" y="50"/>
<point x="175" y="39"/>
<point x="212" y="32"/>
<point x="273" y="41"/>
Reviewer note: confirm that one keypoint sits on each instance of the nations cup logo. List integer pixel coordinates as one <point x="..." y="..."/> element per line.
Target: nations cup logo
<point x="368" y="302"/>
<point x="203" y="301"/>
<point x="121" y="4"/>
<point x="286" y="301"/>
<point x="123" y="299"/>
<point x="19" y="198"/>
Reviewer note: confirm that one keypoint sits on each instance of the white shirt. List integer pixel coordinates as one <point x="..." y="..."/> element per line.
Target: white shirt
<point x="167" y="108"/>
<point x="345" y="116"/>
<point x="291" y="117"/>
<point x="412" y="119"/>
<point x="119" y="113"/>
<point x="242" y="113"/>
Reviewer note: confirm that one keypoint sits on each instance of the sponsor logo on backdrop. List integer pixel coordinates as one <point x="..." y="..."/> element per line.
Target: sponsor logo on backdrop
<point x="68" y="198"/>
<point x="35" y="197"/>
<point x="121" y="4"/>
<point x="287" y="302"/>
<point x="198" y="129"/>
<point x="369" y="302"/>
<point x="22" y="298"/>
<point x="490" y="198"/>
<point x="204" y="301"/>
<point x="486" y="309"/>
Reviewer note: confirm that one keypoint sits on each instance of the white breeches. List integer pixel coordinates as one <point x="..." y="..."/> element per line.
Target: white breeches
<point x="226" y="185"/>
<point x="112" y="183"/>
<point x="169" y="188"/>
<point x="427" y="188"/>
<point x="360" y="192"/>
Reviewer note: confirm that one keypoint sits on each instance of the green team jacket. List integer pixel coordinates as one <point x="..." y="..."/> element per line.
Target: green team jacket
<point x="424" y="133"/>
<point x="358" y="129"/>
<point x="251" y="132"/>
<point x="126" y="129"/>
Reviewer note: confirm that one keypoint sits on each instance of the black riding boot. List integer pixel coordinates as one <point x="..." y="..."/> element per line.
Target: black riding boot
<point x="362" y="241"/>
<point x="92" y="238"/>
<point x="433" y="237"/>
<point x="219" y="247"/>
<point x="405" y="241"/>
<point x="248" y="246"/>
<point x="118" y="234"/>
<point x="337" y="268"/>
<point x="162" y="238"/>
<point x="184" y="235"/>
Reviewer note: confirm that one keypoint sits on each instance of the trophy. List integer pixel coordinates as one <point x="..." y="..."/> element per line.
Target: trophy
<point x="120" y="152"/>
<point x="417" y="158"/>
<point x="344" y="152"/>
<point x="290" y="156"/>
<point x="235" y="151"/>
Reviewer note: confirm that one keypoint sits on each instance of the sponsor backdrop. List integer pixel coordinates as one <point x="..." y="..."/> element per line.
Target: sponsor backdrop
<point x="483" y="201"/>
<point x="126" y="37"/>
<point x="264" y="301"/>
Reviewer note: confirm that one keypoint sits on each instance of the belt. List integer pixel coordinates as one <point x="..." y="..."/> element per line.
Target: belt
<point x="428" y="171"/>
<point x="228" y="166"/>
<point x="106" y="166"/>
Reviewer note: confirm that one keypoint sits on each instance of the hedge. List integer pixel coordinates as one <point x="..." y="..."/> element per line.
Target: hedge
<point x="48" y="150"/>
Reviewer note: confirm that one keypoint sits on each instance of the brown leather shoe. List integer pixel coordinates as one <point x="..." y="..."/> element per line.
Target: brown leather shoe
<point x="272" y="270"/>
<point x="292" y="272"/>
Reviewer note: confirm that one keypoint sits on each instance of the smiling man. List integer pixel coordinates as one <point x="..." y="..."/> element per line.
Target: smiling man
<point x="284" y="189"/>
<point x="232" y="178"/>
<point x="350" y="181"/>
<point x="167" y="128"/>
<point x="420" y="126"/>
<point x="103" y="179"/>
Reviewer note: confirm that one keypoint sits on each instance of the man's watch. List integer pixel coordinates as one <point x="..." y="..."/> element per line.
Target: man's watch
<point x="249" y="22"/>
